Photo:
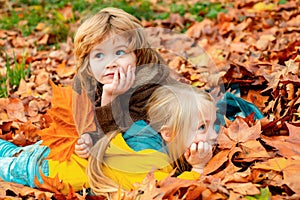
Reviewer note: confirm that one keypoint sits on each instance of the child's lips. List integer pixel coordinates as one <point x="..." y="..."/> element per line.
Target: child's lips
<point x="110" y="74"/>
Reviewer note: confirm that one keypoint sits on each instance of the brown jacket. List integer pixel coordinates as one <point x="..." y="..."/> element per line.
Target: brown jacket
<point x="130" y="106"/>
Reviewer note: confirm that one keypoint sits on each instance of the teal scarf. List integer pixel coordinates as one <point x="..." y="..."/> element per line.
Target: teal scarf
<point x="142" y="136"/>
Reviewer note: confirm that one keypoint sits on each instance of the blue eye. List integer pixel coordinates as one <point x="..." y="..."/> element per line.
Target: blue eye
<point x="202" y="127"/>
<point x="99" y="55"/>
<point x="120" y="52"/>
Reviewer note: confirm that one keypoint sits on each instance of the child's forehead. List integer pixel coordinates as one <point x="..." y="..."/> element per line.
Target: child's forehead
<point x="114" y="39"/>
<point x="207" y="112"/>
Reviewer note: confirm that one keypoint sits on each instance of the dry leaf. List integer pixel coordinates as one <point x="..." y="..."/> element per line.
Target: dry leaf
<point x="50" y="184"/>
<point x="15" y="110"/>
<point x="243" y="188"/>
<point x="64" y="71"/>
<point x="288" y="146"/>
<point x="61" y="136"/>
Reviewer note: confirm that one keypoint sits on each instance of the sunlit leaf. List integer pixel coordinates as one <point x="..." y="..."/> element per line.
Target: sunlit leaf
<point x="50" y="184"/>
<point x="61" y="136"/>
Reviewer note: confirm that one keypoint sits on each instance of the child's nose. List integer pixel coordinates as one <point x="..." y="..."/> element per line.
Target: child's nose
<point x="112" y="64"/>
<point x="200" y="138"/>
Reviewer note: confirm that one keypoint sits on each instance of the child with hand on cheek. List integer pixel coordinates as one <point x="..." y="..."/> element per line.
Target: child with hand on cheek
<point x="117" y="73"/>
<point x="179" y="129"/>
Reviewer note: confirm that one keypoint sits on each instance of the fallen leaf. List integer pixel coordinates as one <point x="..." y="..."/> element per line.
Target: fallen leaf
<point x="61" y="135"/>
<point x="147" y="189"/>
<point x="63" y="71"/>
<point x="276" y="164"/>
<point x="288" y="146"/>
<point x="22" y="191"/>
<point x="67" y="12"/>
<point x="243" y="188"/>
<point x="172" y="185"/>
<point x="262" y="6"/>
<point x="237" y="177"/>
<point x="224" y="141"/>
<point x="50" y="184"/>
<point x="289" y="167"/>
<point x="43" y="40"/>
<point x="257" y="99"/>
<point x="253" y="149"/>
<point x="239" y="131"/>
<point x="216" y="162"/>
<point x="15" y="110"/>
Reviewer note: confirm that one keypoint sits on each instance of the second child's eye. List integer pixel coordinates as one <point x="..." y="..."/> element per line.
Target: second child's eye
<point x="120" y="52"/>
<point x="202" y="127"/>
<point x="99" y="55"/>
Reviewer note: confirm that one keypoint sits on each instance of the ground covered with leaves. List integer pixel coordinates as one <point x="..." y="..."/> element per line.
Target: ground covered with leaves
<point x="252" y="47"/>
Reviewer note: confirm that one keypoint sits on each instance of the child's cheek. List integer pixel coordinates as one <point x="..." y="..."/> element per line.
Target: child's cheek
<point x="189" y="142"/>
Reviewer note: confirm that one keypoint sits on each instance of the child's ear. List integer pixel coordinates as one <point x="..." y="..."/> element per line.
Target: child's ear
<point x="166" y="133"/>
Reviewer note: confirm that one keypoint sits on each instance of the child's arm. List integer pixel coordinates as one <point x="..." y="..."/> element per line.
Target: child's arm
<point x="130" y="106"/>
<point x="198" y="156"/>
<point x="121" y="83"/>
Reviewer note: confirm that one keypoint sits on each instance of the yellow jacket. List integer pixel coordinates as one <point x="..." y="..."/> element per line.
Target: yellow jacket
<point x="126" y="166"/>
<point x="71" y="172"/>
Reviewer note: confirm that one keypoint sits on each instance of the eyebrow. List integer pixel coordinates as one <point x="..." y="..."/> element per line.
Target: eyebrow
<point x="117" y="47"/>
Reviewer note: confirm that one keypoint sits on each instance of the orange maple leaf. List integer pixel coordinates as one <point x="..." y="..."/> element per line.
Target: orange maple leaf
<point x="50" y="184"/>
<point x="61" y="135"/>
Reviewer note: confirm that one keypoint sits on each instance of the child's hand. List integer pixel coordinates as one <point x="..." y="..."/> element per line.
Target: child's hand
<point x="83" y="146"/>
<point x="122" y="82"/>
<point x="198" y="155"/>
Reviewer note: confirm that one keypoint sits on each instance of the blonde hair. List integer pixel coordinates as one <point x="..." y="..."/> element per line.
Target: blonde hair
<point x="179" y="107"/>
<point x="110" y="22"/>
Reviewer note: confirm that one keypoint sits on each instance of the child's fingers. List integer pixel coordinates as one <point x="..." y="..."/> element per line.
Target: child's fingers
<point x="200" y="147"/>
<point x="82" y="150"/>
<point x="204" y="147"/>
<point x="86" y="139"/>
<point x="83" y="154"/>
<point x="115" y="81"/>
<point x="130" y="76"/>
<point x="132" y="71"/>
<point x="129" y="79"/>
<point x="81" y="147"/>
<point x="193" y="149"/>
<point x="122" y="80"/>
<point x="80" y="141"/>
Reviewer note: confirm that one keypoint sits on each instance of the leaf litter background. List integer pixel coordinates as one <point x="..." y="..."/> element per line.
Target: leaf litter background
<point x="255" y="45"/>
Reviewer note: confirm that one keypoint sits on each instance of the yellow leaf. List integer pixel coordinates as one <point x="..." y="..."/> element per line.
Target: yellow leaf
<point x="40" y="26"/>
<point x="276" y="164"/>
<point x="198" y="84"/>
<point x="262" y="6"/>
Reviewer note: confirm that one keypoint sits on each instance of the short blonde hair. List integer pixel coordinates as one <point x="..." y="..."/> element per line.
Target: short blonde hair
<point x="109" y="22"/>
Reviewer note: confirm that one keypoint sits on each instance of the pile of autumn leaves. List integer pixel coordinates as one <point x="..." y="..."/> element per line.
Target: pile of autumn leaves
<point x="254" y="159"/>
<point x="246" y="162"/>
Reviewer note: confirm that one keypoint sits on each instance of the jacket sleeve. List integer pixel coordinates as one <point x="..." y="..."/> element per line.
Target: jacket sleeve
<point x="125" y="109"/>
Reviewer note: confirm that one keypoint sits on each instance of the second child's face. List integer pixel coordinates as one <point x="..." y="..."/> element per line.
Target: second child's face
<point x="108" y="56"/>
<point x="205" y="130"/>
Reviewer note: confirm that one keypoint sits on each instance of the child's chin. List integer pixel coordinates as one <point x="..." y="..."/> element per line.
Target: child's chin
<point x="107" y="80"/>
